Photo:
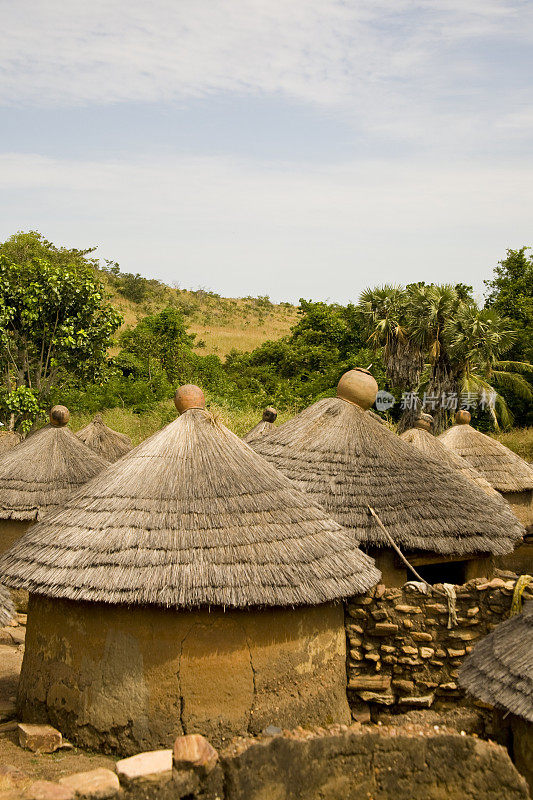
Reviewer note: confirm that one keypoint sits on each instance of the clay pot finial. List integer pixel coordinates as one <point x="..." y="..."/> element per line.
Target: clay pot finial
<point x="463" y="417"/>
<point x="189" y="396"/>
<point x="59" y="416"/>
<point x="424" y="422"/>
<point x="269" y="414"/>
<point x="358" y="386"/>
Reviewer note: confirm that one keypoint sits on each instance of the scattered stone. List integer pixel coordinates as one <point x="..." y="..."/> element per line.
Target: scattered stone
<point x="379" y="591"/>
<point x="385" y="629"/>
<point x="47" y="790"/>
<point x="422" y="636"/>
<point x="356" y="655"/>
<point x="403" y="685"/>
<point x="372" y="657"/>
<point x="389" y="659"/>
<point x="97" y="784"/>
<point x="354" y="629"/>
<point x="465" y="636"/>
<point x="193" y="751"/>
<point x="472" y="611"/>
<point x="364" y="600"/>
<point x="412" y="662"/>
<point x="150" y="767"/>
<point x="378" y="614"/>
<point x="357" y="613"/>
<point x="426" y="652"/>
<point x="386" y="648"/>
<point x="355" y="641"/>
<point x="361" y="713"/>
<point x="407" y="623"/>
<point x="495" y="583"/>
<point x="449" y="687"/>
<point x="410" y="651"/>
<point x="436" y="663"/>
<point x="369" y="682"/>
<point x="440" y="653"/>
<point x="39" y="738"/>
<point x="436" y="608"/>
<point x="404" y="609"/>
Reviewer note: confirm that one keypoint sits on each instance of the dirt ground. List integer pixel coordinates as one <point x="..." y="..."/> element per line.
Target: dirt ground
<point x="38" y="767"/>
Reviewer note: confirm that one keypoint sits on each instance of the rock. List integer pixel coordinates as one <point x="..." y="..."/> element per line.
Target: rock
<point x="440" y="653"/>
<point x="455" y="653"/>
<point x="154" y="766"/>
<point x="378" y="614"/>
<point x="424" y="701"/>
<point x="386" y="648"/>
<point x="12" y="778"/>
<point x="369" y="682"/>
<point x="436" y="608"/>
<point x="355" y="641"/>
<point x="46" y="790"/>
<point x="22" y="619"/>
<point x="354" y="629"/>
<point x="361" y="713"/>
<point x="449" y="687"/>
<point x="193" y="752"/>
<point x="380" y="699"/>
<point x="410" y="651"/>
<point x="436" y="663"/>
<point x="364" y="600"/>
<point x="422" y="636"/>
<point x="39" y="738"/>
<point x="385" y="629"/>
<point x="403" y="685"/>
<point x="372" y="657"/>
<point x="356" y="655"/>
<point x="472" y="611"/>
<point x="426" y="652"/>
<point x="97" y="784"/>
<point x="5" y="636"/>
<point x="379" y="591"/>
<point x="18" y="635"/>
<point x="465" y="636"/>
<point x="407" y="623"/>
<point x="412" y="662"/>
<point x="404" y="609"/>
<point x="495" y="583"/>
<point x="357" y="613"/>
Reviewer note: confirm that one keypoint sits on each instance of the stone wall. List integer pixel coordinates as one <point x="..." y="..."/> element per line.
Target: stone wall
<point x="401" y="652"/>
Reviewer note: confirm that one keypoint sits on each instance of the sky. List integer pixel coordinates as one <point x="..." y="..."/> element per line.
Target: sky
<point x="290" y="148"/>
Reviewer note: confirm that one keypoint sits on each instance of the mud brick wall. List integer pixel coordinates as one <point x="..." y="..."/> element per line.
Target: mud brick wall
<point x="400" y="650"/>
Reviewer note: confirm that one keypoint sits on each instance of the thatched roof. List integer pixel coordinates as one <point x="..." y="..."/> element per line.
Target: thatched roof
<point x="264" y="427"/>
<point x="503" y="469"/>
<point x="191" y="517"/>
<point x="39" y="474"/>
<point x="107" y="443"/>
<point x="7" y="609"/>
<point x="346" y="462"/>
<point x="8" y="439"/>
<point x="499" y="670"/>
<point x="431" y="446"/>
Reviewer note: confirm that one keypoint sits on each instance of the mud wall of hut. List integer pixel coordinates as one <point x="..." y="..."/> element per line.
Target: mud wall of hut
<point x="401" y="651"/>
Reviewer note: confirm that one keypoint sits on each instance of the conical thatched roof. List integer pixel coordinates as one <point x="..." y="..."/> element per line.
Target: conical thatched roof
<point x="103" y="440"/>
<point x="39" y="474"/>
<point x="499" y="670"/>
<point x="431" y="446"/>
<point x="7" y="609"/>
<point x="503" y="469"/>
<point x="346" y="462"/>
<point x="264" y="427"/>
<point x="190" y="517"/>
<point x="8" y="439"/>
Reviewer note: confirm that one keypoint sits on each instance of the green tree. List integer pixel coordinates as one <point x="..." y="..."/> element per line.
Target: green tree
<point x="511" y="295"/>
<point x="54" y="318"/>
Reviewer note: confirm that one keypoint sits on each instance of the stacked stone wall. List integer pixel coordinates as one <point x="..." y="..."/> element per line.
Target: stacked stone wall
<point x="401" y="652"/>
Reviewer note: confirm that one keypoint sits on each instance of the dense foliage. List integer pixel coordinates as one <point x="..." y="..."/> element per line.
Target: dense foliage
<point x="57" y="327"/>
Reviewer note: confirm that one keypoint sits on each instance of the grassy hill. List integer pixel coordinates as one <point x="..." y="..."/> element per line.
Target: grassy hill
<point x="219" y="323"/>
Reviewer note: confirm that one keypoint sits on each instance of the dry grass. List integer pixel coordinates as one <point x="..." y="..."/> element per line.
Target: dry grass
<point x="520" y="440"/>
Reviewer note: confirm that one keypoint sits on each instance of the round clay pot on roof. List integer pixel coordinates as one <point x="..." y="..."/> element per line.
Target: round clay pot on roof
<point x="358" y="386"/>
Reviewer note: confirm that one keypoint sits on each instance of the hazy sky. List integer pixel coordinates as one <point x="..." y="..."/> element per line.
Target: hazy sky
<point x="283" y="147"/>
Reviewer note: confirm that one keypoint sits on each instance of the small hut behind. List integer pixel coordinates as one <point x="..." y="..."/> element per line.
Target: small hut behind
<point x="107" y="443"/>
<point x="38" y="474"/>
<point x="356" y="468"/>
<point x="264" y="427"/>
<point x="504" y="470"/>
<point x="190" y="587"/>
<point x="421" y="437"/>
<point x="8" y="439"/>
<point x="499" y="671"/>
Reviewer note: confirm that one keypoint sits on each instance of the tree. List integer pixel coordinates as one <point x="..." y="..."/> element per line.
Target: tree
<point x="511" y="295"/>
<point x="54" y="318"/>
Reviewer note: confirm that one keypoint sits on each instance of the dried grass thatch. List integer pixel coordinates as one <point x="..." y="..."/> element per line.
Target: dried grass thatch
<point x="7" y="609"/>
<point x="38" y="475"/>
<point x="345" y="461"/>
<point x="264" y="427"/>
<point x="103" y="440"/>
<point x="499" y="670"/>
<point x="191" y="517"/>
<point x="8" y="439"/>
<point x="432" y="446"/>
<point x="503" y="469"/>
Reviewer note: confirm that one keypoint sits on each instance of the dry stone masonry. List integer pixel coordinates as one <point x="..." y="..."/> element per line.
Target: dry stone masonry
<point x="401" y="651"/>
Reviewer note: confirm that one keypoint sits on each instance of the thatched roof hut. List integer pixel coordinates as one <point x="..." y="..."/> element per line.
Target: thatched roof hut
<point x="8" y="439"/>
<point x="264" y="427"/>
<point x="499" y="671"/>
<point x="107" y="443"/>
<point x="216" y="569"/>
<point x="37" y="476"/>
<point x="7" y="609"/>
<point x="504" y="470"/>
<point x="347" y="462"/>
<point x="422" y="438"/>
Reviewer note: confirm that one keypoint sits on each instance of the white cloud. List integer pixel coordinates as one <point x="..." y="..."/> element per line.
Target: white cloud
<point x="242" y="228"/>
